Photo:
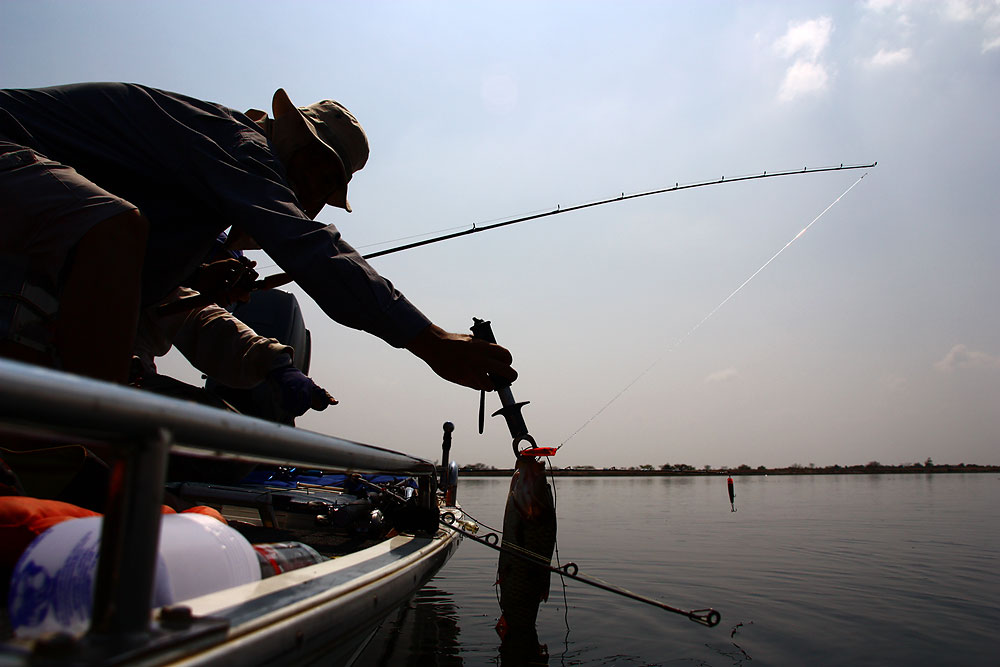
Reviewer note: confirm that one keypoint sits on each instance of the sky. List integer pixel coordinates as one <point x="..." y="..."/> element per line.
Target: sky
<point x="874" y="336"/>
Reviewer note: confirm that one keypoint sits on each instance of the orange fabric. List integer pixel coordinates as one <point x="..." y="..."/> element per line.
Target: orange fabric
<point x="22" y="519"/>
<point x="200" y="509"/>
<point x="207" y="511"/>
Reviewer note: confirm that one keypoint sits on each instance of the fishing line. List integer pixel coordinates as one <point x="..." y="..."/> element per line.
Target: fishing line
<point x="448" y="230"/>
<point x="411" y="236"/>
<point x="710" y="314"/>
<point x="555" y="544"/>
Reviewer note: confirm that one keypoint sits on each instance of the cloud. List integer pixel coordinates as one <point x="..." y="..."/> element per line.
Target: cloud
<point x="961" y="356"/>
<point x="725" y="375"/>
<point x="890" y="58"/>
<point x="803" y="78"/>
<point x="985" y="13"/>
<point x="885" y="5"/>
<point x="959" y="10"/>
<point x="992" y="29"/>
<point x="807" y="39"/>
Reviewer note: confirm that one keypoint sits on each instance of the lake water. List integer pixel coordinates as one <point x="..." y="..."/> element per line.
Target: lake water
<point x="812" y="569"/>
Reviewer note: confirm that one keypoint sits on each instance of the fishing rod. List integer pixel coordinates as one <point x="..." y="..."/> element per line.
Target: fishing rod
<point x="279" y="279"/>
<point x="707" y="617"/>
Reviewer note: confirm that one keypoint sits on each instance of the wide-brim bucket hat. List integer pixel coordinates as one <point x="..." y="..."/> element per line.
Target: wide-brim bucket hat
<point x="327" y="124"/>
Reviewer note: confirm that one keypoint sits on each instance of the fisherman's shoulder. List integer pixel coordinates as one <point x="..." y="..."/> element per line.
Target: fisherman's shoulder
<point x="56" y="93"/>
<point x="212" y="118"/>
<point x="121" y="96"/>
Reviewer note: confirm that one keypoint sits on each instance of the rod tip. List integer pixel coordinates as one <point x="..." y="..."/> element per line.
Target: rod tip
<point x="707" y="617"/>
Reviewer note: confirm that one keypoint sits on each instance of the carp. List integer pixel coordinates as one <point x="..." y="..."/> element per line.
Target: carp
<point x="529" y="537"/>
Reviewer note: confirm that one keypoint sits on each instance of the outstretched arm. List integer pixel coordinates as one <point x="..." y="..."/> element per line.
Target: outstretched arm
<point x="462" y="359"/>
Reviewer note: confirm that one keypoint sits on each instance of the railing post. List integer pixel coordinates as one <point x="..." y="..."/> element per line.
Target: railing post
<point x="448" y="428"/>
<point x="130" y="536"/>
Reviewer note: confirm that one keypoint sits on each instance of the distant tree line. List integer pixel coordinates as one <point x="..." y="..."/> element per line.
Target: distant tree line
<point x="927" y="465"/>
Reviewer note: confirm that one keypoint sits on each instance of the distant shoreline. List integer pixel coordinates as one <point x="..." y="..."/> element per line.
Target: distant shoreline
<point x="850" y="470"/>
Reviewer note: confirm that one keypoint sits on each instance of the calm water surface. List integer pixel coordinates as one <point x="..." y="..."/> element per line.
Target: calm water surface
<point x="821" y="570"/>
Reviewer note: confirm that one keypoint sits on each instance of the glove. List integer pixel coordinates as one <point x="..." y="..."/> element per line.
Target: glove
<point x="298" y="392"/>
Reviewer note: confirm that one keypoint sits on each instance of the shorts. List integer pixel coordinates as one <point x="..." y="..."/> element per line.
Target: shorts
<point x="45" y="208"/>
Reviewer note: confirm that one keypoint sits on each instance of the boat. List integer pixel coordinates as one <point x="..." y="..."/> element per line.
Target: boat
<point x="323" y="612"/>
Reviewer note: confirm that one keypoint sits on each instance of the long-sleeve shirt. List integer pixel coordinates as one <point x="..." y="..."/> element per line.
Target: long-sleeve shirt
<point x="214" y="340"/>
<point x="195" y="168"/>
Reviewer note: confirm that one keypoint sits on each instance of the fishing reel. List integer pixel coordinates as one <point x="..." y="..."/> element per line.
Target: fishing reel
<point x="399" y="503"/>
<point x="221" y="282"/>
<point x="511" y="410"/>
<point x="224" y="277"/>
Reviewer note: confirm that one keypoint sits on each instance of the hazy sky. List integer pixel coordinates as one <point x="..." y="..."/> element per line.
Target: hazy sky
<point x="875" y="336"/>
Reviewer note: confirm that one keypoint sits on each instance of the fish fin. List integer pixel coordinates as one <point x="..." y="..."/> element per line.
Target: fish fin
<point x="501" y="627"/>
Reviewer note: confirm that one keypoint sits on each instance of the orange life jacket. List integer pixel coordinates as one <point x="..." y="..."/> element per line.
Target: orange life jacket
<point x="22" y="519"/>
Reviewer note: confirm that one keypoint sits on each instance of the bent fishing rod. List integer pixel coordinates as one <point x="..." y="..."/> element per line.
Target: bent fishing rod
<point x="279" y="279"/>
<point x="707" y="617"/>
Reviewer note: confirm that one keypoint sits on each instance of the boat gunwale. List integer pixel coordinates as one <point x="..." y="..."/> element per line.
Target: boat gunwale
<point x="219" y="604"/>
<point x="143" y="427"/>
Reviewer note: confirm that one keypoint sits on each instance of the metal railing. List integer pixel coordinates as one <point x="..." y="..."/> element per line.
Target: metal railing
<point x="34" y="395"/>
<point x="142" y="428"/>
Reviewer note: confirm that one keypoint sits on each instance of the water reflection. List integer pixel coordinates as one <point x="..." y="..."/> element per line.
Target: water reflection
<point x="520" y="647"/>
<point x="424" y="631"/>
<point x="849" y="569"/>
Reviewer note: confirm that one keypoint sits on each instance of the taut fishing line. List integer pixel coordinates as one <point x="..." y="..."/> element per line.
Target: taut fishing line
<point x="555" y="546"/>
<point x="710" y="314"/>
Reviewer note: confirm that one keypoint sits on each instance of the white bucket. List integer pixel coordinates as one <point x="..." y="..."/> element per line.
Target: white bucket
<point x="52" y="586"/>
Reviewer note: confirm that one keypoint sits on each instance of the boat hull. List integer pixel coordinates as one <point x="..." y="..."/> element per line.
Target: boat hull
<point x="324" y="612"/>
